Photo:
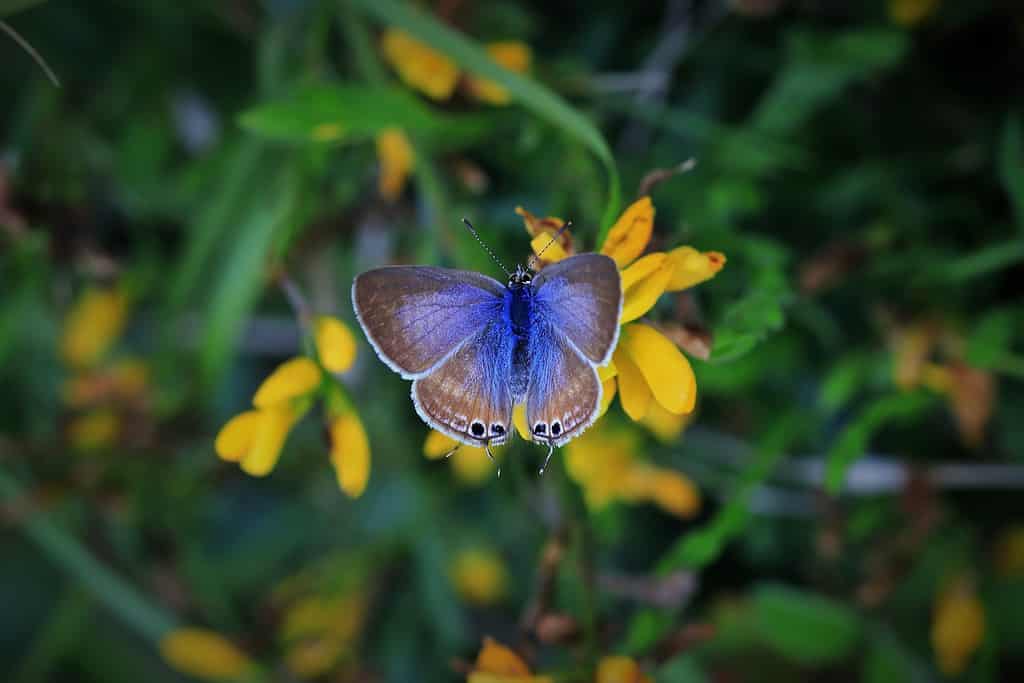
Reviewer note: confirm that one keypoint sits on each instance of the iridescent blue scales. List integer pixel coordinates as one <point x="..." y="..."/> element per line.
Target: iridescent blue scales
<point x="475" y="348"/>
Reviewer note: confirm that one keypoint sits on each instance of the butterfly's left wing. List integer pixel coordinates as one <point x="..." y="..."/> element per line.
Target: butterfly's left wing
<point x="581" y="297"/>
<point x="469" y="396"/>
<point x="564" y="394"/>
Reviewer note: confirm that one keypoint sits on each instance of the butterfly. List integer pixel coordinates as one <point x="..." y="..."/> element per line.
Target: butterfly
<point x="475" y="348"/>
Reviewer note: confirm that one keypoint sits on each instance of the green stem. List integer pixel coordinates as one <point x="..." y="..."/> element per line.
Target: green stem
<point x="66" y="552"/>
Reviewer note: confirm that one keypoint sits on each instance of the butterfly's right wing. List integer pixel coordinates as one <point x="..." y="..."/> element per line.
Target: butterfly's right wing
<point x="581" y="297"/>
<point x="417" y="316"/>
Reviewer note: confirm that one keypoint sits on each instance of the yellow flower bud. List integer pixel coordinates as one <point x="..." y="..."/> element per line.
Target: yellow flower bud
<point x="628" y="238"/>
<point x="396" y="158"/>
<point x="479" y="576"/>
<point x="92" y="326"/>
<point x="420" y="66"/>
<point x="292" y="379"/>
<point x="958" y="627"/>
<point x="350" y="454"/>
<point x="514" y="56"/>
<point x="204" y="654"/>
<point x="335" y="343"/>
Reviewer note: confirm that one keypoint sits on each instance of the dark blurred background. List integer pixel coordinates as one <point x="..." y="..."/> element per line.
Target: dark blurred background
<point x="187" y="188"/>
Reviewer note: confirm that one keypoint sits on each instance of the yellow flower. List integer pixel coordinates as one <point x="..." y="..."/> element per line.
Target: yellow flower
<point x="291" y="379"/>
<point x="254" y="439"/>
<point x="911" y="12"/>
<point x="94" y="430"/>
<point x="958" y="626"/>
<point x="204" y="654"/>
<point x="420" y="66"/>
<point x="620" y="670"/>
<point x="470" y="463"/>
<point x="542" y="231"/>
<point x="499" y="664"/>
<point x="648" y="367"/>
<point x="479" y="576"/>
<point x="514" y="56"/>
<point x="335" y="343"/>
<point x="350" y="453"/>
<point x="396" y="158"/>
<point x="93" y="324"/>
<point x="603" y="462"/>
<point x="319" y="631"/>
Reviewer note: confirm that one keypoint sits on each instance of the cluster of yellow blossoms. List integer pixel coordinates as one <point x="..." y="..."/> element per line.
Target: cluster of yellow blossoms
<point x="497" y="663"/>
<point x="255" y="437"/>
<point x="435" y="75"/>
<point x="101" y="389"/>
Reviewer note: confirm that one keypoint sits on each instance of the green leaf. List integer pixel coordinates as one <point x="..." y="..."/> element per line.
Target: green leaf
<point x="702" y="547"/>
<point x="984" y="261"/>
<point x="1011" y="165"/>
<point x="854" y="439"/>
<point x="804" y="627"/>
<point x="9" y="7"/>
<point x="682" y="669"/>
<point x="241" y="280"/>
<point x="340" y="111"/>
<point x="535" y="97"/>
<point x="818" y="69"/>
<point x="991" y="338"/>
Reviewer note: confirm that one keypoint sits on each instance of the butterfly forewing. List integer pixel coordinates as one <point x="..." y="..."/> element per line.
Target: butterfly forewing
<point x="468" y="396"/>
<point x="581" y="297"/>
<point x="416" y="316"/>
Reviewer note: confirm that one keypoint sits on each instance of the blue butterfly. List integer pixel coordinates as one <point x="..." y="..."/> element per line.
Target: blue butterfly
<point x="475" y="348"/>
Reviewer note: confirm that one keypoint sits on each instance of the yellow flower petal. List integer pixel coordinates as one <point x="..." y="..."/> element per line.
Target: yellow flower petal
<point x="350" y="453"/>
<point x="664" y="425"/>
<point x="642" y="284"/>
<point x="607" y="371"/>
<point x="291" y="379"/>
<point x="420" y="66"/>
<point x="471" y="464"/>
<point x="552" y="250"/>
<point x="512" y="55"/>
<point x="396" y="157"/>
<point x="204" y="654"/>
<point x="619" y="670"/>
<point x="438" y="445"/>
<point x="519" y="420"/>
<point x="536" y="226"/>
<point x="273" y="425"/>
<point x="335" y="343"/>
<point x="958" y="627"/>
<point x="911" y="12"/>
<point x="495" y="658"/>
<point x="93" y="324"/>
<point x="634" y="394"/>
<point x="628" y="238"/>
<point x="664" y="367"/>
<point x="479" y="576"/>
<point x="94" y="430"/>
<point x="691" y="267"/>
<point x="236" y="437"/>
<point x="673" y="492"/>
<point x="608" y="388"/>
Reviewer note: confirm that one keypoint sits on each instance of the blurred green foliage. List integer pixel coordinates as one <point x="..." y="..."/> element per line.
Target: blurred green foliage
<point x="857" y="441"/>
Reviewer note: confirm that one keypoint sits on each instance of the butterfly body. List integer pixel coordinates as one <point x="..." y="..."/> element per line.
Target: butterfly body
<point x="475" y="348"/>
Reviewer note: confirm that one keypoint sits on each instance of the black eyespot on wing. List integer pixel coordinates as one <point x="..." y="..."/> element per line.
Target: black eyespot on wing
<point x="477" y="429"/>
<point x="540" y="428"/>
<point x="556" y="428"/>
<point x="497" y="429"/>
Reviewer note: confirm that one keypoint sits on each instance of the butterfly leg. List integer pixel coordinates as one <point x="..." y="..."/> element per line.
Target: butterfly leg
<point x="452" y="451"/>
<point x="547" y="458"/>
<point x="487" y="450"/>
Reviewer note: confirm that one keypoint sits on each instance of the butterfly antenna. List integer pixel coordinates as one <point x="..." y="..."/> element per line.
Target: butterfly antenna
<point x="534" y="258"/>
<point x="547" y="458"/>
<point x="486" y="248"/>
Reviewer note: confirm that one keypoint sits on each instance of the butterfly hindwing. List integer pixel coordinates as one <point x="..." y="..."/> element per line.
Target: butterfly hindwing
<point x="416" y="316"/>
<point x="468" y="397"/>
<point x="581" y="297"/>
<point x="564" y="394"/>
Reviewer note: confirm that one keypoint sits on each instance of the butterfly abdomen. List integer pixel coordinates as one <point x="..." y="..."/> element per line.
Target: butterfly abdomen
<point x="518" y="313"/>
